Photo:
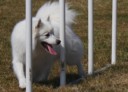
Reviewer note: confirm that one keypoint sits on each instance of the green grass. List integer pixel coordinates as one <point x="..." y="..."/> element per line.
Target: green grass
<point x="114" y="79"/>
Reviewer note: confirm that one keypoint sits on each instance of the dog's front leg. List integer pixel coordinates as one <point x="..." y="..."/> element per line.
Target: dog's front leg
<point x="19" y="71"/>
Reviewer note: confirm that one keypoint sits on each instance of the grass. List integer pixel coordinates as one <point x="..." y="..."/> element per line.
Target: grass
<point x="114" y="79"/>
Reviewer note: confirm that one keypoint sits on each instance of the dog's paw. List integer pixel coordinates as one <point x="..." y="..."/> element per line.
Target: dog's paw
<point x="22" y="84"/>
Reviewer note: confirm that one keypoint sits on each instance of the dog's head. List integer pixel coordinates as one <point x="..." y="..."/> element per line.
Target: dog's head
<point x="45" y="35"/>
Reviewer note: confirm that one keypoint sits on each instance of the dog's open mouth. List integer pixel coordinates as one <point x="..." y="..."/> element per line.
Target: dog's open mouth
<point x="49" y="48"/>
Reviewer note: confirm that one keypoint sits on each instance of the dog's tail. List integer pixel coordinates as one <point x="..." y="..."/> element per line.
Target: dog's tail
<point x="51" y="11"/>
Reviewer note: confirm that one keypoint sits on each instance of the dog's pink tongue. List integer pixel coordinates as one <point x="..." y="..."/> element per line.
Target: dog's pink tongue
<point x="51" y="50"/>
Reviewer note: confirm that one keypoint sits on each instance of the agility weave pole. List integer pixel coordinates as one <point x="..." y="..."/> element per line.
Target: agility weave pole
<point x="90" y="38"/>
<point x="114" y="31"/>
<point x="90" y="41"/>
<point x="62" y="28"/>
<point x="28" y="46"/>
<point x="62" y="38"/>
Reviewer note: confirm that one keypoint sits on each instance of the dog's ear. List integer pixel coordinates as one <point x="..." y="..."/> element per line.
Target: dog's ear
<point x="39" y="24"/>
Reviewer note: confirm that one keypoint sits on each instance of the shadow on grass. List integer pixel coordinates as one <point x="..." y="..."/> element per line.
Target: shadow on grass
<point x="55" y="82"/>
<point x="74" y="79"/>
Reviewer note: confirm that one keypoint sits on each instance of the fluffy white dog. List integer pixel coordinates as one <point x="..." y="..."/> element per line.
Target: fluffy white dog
<point x="45" y="43"/>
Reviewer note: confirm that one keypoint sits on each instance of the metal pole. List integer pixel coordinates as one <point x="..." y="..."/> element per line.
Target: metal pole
<point x="28" y="45"/>
<point x="62" y="38"/>
<point x="90" y="37"/>
<point x="114" y="30"/>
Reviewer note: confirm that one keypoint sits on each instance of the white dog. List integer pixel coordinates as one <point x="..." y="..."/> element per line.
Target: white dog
<point x="45" y="44"/>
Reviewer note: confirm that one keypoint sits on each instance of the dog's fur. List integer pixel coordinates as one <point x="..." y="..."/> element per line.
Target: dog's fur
<point x="45" y="32"/>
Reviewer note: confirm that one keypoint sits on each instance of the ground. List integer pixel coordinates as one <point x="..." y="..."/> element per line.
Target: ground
<point x="114" y="79"/>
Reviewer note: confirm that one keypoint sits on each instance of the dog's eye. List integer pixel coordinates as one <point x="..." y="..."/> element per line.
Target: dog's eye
<point x="47" y="35"/>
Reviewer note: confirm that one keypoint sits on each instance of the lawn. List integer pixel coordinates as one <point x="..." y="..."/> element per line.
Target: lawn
<point x="114" y="79"/>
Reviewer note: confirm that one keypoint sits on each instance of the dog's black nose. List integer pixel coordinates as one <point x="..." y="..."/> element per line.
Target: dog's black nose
<point x="58" y="42"/>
